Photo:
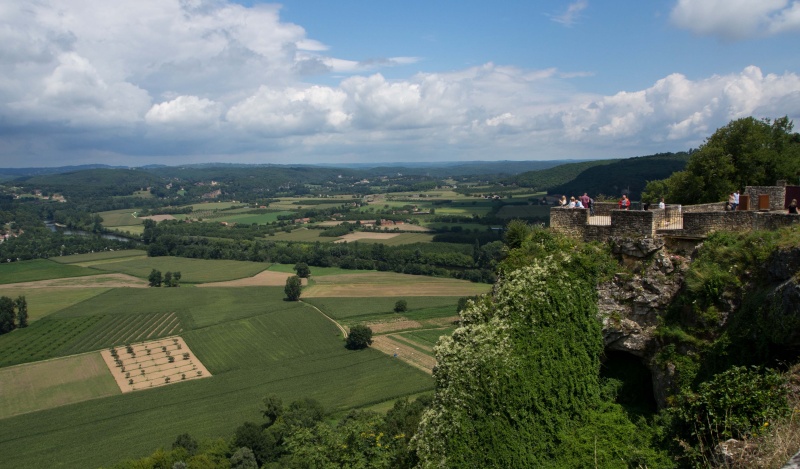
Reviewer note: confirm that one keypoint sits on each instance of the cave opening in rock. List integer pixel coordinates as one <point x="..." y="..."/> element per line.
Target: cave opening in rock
<point x="633" y="381"/>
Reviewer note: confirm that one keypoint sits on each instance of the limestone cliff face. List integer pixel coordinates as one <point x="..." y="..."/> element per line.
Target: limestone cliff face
<point x="631" y="304"/>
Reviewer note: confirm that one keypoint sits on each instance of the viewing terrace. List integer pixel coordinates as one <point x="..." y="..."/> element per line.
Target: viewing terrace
<point x="761" y="207"/>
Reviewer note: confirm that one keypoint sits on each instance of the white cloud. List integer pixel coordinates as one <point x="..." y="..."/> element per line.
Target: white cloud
<point x="681" y="110"/>
<point x="225" y="79"/>
<point x="184" y="111"/>
<point x="737" y="19"/>
<point x="570" y="16"/>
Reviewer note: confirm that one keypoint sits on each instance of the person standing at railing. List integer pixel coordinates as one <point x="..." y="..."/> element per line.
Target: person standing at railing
<point x="793" y="207"/>
<point x="661" y="204"/>
<point x="624" y="202"/>
<point x="735" y="200"/>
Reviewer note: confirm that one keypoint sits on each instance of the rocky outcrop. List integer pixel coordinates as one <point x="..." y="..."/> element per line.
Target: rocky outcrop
<point x="630" y="305"/>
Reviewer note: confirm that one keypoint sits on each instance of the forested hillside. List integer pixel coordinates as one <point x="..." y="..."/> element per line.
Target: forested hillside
<point x="610" y="178"/>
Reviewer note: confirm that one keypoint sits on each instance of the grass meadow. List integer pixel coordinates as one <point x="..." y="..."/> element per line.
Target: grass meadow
<point x="315" y="271"/>
<point x="390" y="284"/>
<point x="301" y="235"/>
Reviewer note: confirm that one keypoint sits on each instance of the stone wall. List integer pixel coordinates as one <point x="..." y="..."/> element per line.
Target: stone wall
<point x="713" y="207"/>
<point x="776" y="194"/>
<point x="633" y="223"/>
<point x="702" y="223"/>
<point x="569" y="221"/>
<point x="699" y="224"/>
<point x="605" y="208"/>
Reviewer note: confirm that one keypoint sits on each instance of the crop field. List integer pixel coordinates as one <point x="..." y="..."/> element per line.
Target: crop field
<point x="252" y="341"/>
<point x="116" y="218"/>
<point x="43" y="339"/>
<point x="39" y="269"/>
<point x="316" y="271"/>
<point x="250" y="218"/>
<point x="45" y="301"/>
<point x="392" y="285"/>
<point x="523" y="211"/>
<point x="286" y="348"/>
<point x="192" y="270"/>
<point x="302" y="235"/>
<point x="427" y="337"/>
<point x="86" y="260"/>
<point x="400" y="238"/>
<point x="54" y="383"/>
<point x="132" y="229"/>
<point x="419" y="307"/>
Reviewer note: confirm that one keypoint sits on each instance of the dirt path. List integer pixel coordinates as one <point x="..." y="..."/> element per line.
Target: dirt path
<point x="341" y="328"/>
<point x="393" y="348"/>
<point x="90" y="281"/>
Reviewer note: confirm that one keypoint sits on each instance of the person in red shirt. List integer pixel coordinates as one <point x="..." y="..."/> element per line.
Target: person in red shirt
<point x="624" y="203"/>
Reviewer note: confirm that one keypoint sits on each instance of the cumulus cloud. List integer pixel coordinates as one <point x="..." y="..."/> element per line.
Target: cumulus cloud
<point x="737" y="19"/>
<point x="216" y="80"/>
<point x="184" y="111"/>
<point x="678" y="109"/>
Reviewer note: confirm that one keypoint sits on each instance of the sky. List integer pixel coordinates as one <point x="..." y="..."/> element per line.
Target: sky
<point x="138" y="82"/>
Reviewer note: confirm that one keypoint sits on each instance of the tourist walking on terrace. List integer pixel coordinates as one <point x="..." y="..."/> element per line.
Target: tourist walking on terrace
<point x="661" y="204"/>
<point x="731" y="205"/>
<point x="793" y="207"/>
<point x="735" y="200"/>
<point x="624" y="203"/>
<point x="584" y="199"/>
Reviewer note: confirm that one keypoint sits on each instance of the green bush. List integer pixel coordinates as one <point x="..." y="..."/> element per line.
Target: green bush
<point x="737" y="403"/>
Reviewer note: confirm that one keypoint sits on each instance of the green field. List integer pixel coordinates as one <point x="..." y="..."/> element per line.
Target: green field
<point x="116" y="218"/>
<point x="250" y="218"/>
<point x="419" y="307"/>
<point x="192" y="270"/>
<point x="39" y="269"/>
<point x="45" y="301"/>
<point x="253" y="343"/>
<point x="301" y="235"/>
<point x="427" y="337"/>
<point x="402" y="238"/>
<point x="316" y="271"/>
<point x="66" y="380"/>
<point x="100" y="257"/>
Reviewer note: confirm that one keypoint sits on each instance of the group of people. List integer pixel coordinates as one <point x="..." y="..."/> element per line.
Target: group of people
<point x="583" y="201"/>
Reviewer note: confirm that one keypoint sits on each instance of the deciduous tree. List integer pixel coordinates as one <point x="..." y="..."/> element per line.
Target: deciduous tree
<point x="293" y="288"/>
<point x="360" y="337"/>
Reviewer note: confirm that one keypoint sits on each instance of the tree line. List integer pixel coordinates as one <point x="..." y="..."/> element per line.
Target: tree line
<point x="13" y="313"/>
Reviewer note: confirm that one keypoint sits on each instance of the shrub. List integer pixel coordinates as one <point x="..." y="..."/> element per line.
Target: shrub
<point x="401" y="306"/>
<point x="733" y="404"/>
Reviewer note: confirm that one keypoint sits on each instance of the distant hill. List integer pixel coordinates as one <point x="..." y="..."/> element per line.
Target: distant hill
<point x="14" y="173"/>
<point x="607" y="177"/>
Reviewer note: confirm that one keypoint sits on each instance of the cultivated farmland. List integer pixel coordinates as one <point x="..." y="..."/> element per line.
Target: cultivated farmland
<point x="252" y="341"/>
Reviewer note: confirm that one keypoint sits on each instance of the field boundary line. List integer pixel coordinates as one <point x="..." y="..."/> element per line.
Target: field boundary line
<point x="341" y="328"/>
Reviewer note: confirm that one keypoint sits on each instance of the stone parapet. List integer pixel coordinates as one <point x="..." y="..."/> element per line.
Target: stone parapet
<point x="634" y="223"/>
<point x="569" y="221"/>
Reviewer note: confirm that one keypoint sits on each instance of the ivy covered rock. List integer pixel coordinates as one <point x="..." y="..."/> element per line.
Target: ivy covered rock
<point x="522" y="370"/>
